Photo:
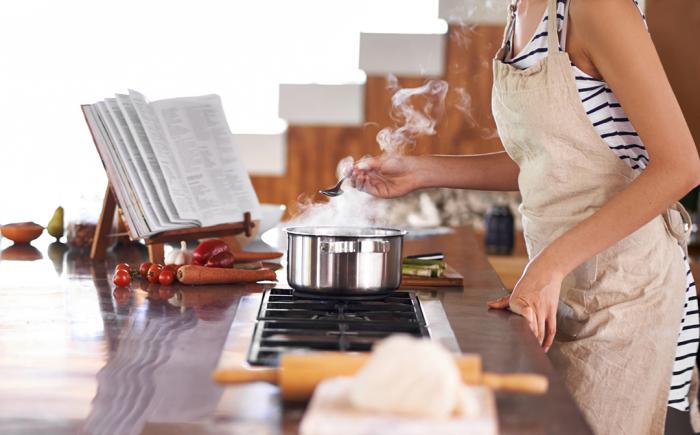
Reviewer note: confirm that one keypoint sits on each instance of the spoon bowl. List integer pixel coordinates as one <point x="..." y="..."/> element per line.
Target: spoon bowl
<point x="334" y="191"/>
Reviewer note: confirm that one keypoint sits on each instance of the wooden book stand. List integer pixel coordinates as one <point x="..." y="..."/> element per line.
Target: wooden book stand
<point x="156" y="243"/>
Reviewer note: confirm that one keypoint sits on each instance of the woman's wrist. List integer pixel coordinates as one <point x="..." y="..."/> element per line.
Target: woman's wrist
<point x="423" y="176"/>
<point x="554" y="261"/>
<point x="427" y="172"/>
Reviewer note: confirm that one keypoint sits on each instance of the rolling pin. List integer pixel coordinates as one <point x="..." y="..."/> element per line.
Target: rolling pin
<point x="298" y="374"/>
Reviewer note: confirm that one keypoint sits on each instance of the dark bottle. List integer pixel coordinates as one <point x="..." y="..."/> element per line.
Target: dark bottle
<point x="500" y="231"/>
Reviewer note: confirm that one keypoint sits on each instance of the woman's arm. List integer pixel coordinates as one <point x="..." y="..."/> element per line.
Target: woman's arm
<point x="622" y="51"/>
<point x="493" y="171"/>
<point x="390" y="176"/>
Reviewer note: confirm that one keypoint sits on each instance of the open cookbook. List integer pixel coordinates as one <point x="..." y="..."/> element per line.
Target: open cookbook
<point x="171" y="163"/>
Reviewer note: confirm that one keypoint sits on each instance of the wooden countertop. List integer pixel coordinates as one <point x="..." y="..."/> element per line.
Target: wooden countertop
<point x="76" y="356"/>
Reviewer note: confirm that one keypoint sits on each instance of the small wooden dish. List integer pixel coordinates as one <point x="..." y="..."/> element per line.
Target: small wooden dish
<point x="22" y="232"/>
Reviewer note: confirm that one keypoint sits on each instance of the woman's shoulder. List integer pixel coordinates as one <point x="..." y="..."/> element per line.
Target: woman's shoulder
<point x="599" y="14"/>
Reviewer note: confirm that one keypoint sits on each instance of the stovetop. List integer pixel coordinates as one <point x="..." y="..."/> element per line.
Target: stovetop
<point x="289" y="321"/>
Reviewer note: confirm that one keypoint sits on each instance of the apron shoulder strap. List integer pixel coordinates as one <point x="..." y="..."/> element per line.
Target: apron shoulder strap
<point x="552" y="33"/>
<point x="565" y="27"/>
<point x="507" y="44"/>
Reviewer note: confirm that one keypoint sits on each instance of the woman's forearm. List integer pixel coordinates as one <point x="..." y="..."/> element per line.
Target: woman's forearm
<point x="494" y="171"/>
<point x="645" y="198"/>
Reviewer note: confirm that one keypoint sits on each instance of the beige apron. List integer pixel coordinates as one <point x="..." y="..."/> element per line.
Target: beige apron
<point x="619" y="312"/>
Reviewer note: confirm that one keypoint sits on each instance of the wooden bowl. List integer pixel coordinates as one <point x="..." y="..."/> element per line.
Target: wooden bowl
<point x="22" y="232"/>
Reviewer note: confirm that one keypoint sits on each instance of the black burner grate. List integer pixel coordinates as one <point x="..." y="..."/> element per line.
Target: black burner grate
<point x="289" y="321"/>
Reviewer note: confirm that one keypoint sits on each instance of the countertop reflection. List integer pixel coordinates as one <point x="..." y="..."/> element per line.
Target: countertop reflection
<point x="79" y="357"/>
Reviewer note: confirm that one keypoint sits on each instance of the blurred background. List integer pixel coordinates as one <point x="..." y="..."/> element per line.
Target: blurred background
<point x="55" y="56"/>
<point x="304" y="83"/>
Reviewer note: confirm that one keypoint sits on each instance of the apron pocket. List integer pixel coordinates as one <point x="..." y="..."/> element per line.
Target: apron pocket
<point x="581" y="278"/>
<point x="572" y="316"/>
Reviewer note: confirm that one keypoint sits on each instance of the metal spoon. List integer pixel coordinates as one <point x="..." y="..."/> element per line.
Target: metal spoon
<point x="333" y="191"/>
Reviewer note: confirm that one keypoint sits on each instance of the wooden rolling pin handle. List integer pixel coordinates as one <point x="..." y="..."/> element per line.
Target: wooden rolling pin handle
<point x="518" y="383"/>
<point x="244" y="375"/>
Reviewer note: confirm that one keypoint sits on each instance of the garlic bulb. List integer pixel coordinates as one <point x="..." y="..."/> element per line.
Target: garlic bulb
<point x="180" y="256"/>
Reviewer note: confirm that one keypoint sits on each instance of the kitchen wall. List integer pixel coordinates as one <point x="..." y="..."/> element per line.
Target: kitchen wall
<point x="313" y="151"/>
<point x="675" y="29"/>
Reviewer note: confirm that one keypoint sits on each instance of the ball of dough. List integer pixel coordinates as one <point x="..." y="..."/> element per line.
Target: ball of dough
<point x="410" y="376"/>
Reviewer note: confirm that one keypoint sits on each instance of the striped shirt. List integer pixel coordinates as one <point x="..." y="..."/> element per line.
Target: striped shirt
<point x="614" y="127"/>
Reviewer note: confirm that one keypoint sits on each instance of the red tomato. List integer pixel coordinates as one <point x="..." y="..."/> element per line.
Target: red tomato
<point x="123" y="266"/>
<point x="122" y="278"/>
<point x="153" y="273"/>
<point x="143" y="269"/>
<point x="172" y="267"/>
<point x="166" y="277"/>
<point x="122" y="295"/>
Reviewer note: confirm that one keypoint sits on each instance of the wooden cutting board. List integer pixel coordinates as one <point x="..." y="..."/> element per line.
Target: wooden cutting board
<point x="449" y="278"/>
<point x="330" y="413"/>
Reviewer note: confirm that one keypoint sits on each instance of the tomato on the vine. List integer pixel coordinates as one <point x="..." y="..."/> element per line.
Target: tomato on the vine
<point x="123" y="266"/>
<point x="153" y="273"/>
<point x="143" y="269"/>
<point x="166" y="276"/>
<point x="122" y="278"/>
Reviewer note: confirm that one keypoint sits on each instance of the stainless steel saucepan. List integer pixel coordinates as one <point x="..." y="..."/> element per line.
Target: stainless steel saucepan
<point x="344" y="261"/>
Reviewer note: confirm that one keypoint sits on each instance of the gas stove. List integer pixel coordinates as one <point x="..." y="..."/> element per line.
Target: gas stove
<point x="290" y="321"/>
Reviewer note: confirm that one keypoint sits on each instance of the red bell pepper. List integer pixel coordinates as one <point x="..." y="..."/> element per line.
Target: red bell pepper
<point x="222" y="259"/>
<point x="207" y="249"/>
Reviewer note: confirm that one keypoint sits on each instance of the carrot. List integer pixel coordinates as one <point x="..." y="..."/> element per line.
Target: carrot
<point x="243" y="256"/>
<point x="192" y="274"/>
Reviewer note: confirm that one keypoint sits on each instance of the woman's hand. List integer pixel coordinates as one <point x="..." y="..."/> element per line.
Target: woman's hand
<point x="386" y="176"/>
<point x="536" y="297"/>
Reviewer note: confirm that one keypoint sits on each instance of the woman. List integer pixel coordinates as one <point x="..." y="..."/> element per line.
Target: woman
<point x="606" y="272"/>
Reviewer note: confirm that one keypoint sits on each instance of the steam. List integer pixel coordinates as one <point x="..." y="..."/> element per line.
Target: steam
<point x="464" y="104"/>
<point x="353" y="208"/>
<point x="416" y="111"/>
<point x="464" y="31"/>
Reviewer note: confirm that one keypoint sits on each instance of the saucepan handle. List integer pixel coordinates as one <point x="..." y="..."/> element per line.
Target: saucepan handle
<point x="355" y="246"/>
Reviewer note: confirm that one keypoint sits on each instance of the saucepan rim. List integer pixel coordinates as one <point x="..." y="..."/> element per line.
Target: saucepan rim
<point x="353" y="232"/>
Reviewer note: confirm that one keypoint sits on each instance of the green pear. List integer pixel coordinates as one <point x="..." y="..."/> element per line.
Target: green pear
<point x="55" y="226"/>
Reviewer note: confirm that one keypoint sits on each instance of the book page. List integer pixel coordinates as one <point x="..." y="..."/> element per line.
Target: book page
<point x="138" y="167"/>
<point x="196" y="128"/>
<point x="126" y="162"/>
<point x="118" y="179"/>
<point x="167" y="159"/>
<point x="152" y="162"/>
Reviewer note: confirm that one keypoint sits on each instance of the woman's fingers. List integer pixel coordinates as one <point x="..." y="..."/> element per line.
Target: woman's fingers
<point x="541" y="321"/>
<point x="529" y="314"/>
<point x="368" y="164"/>
<point x="534" y="319"/>
<point x="363" y="167"/>
<point x="372" y="187"/>
<point x="361" y="171"/>
<point x="500" y="303"/>
<point x="550" y="329"/>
